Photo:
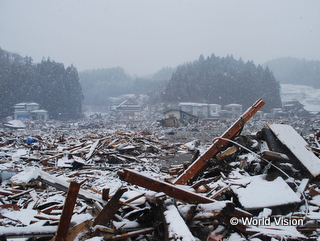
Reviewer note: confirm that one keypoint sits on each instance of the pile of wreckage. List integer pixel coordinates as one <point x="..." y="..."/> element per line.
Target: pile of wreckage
<point x="56" y="185"/>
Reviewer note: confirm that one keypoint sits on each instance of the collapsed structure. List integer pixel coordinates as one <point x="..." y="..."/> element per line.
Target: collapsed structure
<point x="122" y="186"/>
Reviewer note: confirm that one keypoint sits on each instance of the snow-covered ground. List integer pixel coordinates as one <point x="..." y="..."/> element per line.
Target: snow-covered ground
<point x="306" y="95"/>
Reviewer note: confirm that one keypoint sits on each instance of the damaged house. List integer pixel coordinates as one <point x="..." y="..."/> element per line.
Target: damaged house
<point x="30" y="111"/>
<point x="294" y="108"/>
<point x="175" y="118"/>
<point x="201" y="110"/>
<point x="128" y="109"/>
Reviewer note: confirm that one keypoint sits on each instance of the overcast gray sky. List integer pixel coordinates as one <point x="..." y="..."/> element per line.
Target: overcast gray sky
<point x="142" y="36"/>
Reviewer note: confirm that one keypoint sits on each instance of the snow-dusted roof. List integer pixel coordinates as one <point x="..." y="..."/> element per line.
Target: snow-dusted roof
<point x="234" y="104"/>
<point x="39" y="111"/>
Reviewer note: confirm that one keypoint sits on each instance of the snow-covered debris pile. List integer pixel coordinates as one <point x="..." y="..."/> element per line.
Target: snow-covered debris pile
<point x="120" y="185"/>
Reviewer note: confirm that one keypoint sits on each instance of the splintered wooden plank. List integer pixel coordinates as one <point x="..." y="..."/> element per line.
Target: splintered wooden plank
<point x="28" y="232"/>
<point x="67" y="211"/>
<point x="160" y="186"/>
<point x="175" y="226"/>
<point x="110" y="209"/>
<point x="298" y="146"/>
<point x="220" y="143"/>
<point x="125" y="236"/>
<point x="63" y="185"/>
<point x="81" y="230"/>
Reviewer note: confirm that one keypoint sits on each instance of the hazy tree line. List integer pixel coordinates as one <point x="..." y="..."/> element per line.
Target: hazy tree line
<point x="223" y="81"/>
<point x="296" y="71"/>
<point x="100" y="85"/>
<point x="212" y="80"/>
<point x="55" y="88"/>
<point x="61" y="91"/>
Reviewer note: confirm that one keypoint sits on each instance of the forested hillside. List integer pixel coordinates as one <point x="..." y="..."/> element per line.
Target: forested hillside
<point x="296" y="71"/>
<point x="100" y="84"/>
<point x="223" y="81"/>
<point x="57" y="89"/>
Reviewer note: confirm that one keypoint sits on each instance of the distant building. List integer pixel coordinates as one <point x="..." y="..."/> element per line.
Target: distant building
<point x="201" y="110"/>
<point x="294" y="108"/>
<point x="211" y="111"/>
<point x="30" y="111"/>
<point x="128" y="109"/>
<point x="234" y="109"/>
<point x="182" y="116"/>
<point x="214" y="111"/>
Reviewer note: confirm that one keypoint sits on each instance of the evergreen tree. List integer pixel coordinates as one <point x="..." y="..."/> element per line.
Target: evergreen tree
<point x="223" y="81"/>
<point x="48" y="83"/>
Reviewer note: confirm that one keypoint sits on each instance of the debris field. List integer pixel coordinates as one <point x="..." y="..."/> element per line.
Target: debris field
<point x="75" y="183"/>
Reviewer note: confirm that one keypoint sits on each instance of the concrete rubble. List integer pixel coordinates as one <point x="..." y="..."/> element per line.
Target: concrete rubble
<point x="68" y="181"/>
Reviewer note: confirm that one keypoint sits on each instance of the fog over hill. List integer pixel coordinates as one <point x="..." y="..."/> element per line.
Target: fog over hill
<point x="306" y="95"/>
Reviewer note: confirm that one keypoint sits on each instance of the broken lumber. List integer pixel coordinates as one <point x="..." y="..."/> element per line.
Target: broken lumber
<point x="82" y="229"/>
<point x="28" y="232"/>
<point x="218" y="144"/>
<point x="67" y="211"/>
<point x="131" y="234"/>
<point x="273" y="143"/>
<point x="19" y="194"/>
<point x="274" y="156"/>
<point x="63" y="186"/>
<point x="110" y="209"/>
<point x="228" y="152"/>
<point x="159" y="186"/>
<point x="298" y="146"/>
<point x="175" y="226"/>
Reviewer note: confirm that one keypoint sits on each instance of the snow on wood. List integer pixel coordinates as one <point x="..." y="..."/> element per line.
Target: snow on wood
<point x="155" y="185"/>
<point x="15" y="124"/>
<point x="241" y="184"/>
<point x="24" y="177"/>
<point x="29" y="231"/>
<point x="64" y="184"/>
<point x="176" y="227"/>
<point x="92" y="149"/>
<point x="257" y="193"/>
<point x="298" y="146"/>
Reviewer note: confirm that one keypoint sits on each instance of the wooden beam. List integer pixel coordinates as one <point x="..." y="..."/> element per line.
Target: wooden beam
<point x="228" y="152"/>
<point x="160" y="186"/>
<point x="67" y="211"/>
<point x="110" y="209"/>
<point x="171" y="217"/>
<point x="274" y="156"/>
<point x="28" y="232"/>
<point x="218" y="144"/>
<point x="81" y="230"/>
<point x="19" y="194"/>
<point x="125" y="236"/>
<point x="63" y="186"/>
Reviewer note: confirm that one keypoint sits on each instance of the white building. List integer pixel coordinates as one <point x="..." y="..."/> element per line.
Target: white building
<point x="30" y="111"/>
<point x="211" y="111"/>
<point x="201" y="110"/>
<point x="233" y="110"/>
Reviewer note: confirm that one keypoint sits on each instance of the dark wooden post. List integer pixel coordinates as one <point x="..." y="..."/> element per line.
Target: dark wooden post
<point x="67" y="211"/>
